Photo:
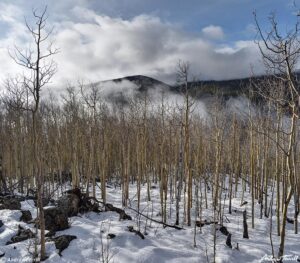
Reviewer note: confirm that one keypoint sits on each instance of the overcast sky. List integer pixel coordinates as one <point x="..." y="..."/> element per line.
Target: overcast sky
<point x="104" y="39"/>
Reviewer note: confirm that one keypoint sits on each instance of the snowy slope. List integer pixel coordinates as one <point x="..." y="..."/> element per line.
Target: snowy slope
<point x="160" y="244"/>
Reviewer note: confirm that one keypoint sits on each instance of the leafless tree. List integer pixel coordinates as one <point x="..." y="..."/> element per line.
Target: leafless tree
<point x="280" y="52"/>
<point x="40" y="70"/>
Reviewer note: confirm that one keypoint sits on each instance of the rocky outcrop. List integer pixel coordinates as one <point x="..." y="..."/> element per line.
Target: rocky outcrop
<point x="75" y="202"/>
<point x="22" y="234"/>
<point x="69" y="203"/>
<point x="56" y="219"/>
<point x="62" y="242"/>
<point x="26" y="216"/>
<point x="11" y="202"/>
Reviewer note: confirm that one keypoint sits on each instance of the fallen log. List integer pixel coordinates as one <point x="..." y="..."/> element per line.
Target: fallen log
<point x="228" y="241"/>
<point x="121" y="212"/>
<point x="245" y="225"/>
<point x="156" y="221"/>
<point x="110" y="207"/>
<point x="224" y="230"/>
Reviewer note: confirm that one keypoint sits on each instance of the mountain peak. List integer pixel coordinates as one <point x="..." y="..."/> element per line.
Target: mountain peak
<point x="143" y="82"/>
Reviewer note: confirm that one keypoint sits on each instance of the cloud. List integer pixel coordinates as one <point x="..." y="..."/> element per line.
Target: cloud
<point x="9" y="12"/>
<point x="98" y="47"/>
<point x="112" y="91"/>
<point x="213" y="32"/>
<point x="125" y="91"/>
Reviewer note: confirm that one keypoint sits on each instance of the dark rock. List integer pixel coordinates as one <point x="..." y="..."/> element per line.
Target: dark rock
<point x="75" y="202"/>
<point x="224" y="230"/>
<point x="69" y="203"/>
<point x="11" y="203"/>
<point x="20" y="198"/>
<point x="204" y="223"/>
<point x="62" y="242"/>
<point x="55" y="219"/>
<point x="111" y="236"/>
<point x="26" y="216"/>
<point x="290" y="220"/>
<point x="22" y="234"/>
<point x="2" y="254"/>
<point x="50" y="234"/>
<point x="1" y="223"/>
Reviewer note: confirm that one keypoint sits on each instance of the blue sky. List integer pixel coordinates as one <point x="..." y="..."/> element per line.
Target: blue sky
<point x="233" y="15"/>
<point x="113" y="38"/>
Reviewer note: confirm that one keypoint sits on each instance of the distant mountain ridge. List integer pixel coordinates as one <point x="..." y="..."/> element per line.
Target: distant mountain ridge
<point x="143" y="82"/>
<point x="228" y="88"/>
<point x="204" y="90"/>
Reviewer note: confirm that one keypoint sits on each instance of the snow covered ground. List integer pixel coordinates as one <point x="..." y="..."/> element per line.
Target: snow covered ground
<point x="160" y="244"/>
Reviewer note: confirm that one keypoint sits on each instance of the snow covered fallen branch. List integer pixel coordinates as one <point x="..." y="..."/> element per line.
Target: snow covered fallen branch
<point x="156" y="221"/>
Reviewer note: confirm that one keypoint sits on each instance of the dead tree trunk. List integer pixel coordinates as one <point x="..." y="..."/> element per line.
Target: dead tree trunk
<point x="245" y="225"/>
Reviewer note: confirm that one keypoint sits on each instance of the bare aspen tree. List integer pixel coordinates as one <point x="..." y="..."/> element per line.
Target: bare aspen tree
<point x="281" y="53"/>
<point x="40" y="71"/>
<point x="183" y="78"/>
<point x="71" y="110"/>
<point x="179" y="172"/>
<point x="91" y="97"/>
<point x="2" y="178"/>
<point x="252" y="169"/>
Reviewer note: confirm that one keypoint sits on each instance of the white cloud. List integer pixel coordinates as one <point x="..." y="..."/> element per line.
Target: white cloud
<point x="9" y="12"/>
<point x="213" y="32"/>
<point x="98" y="47"/>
